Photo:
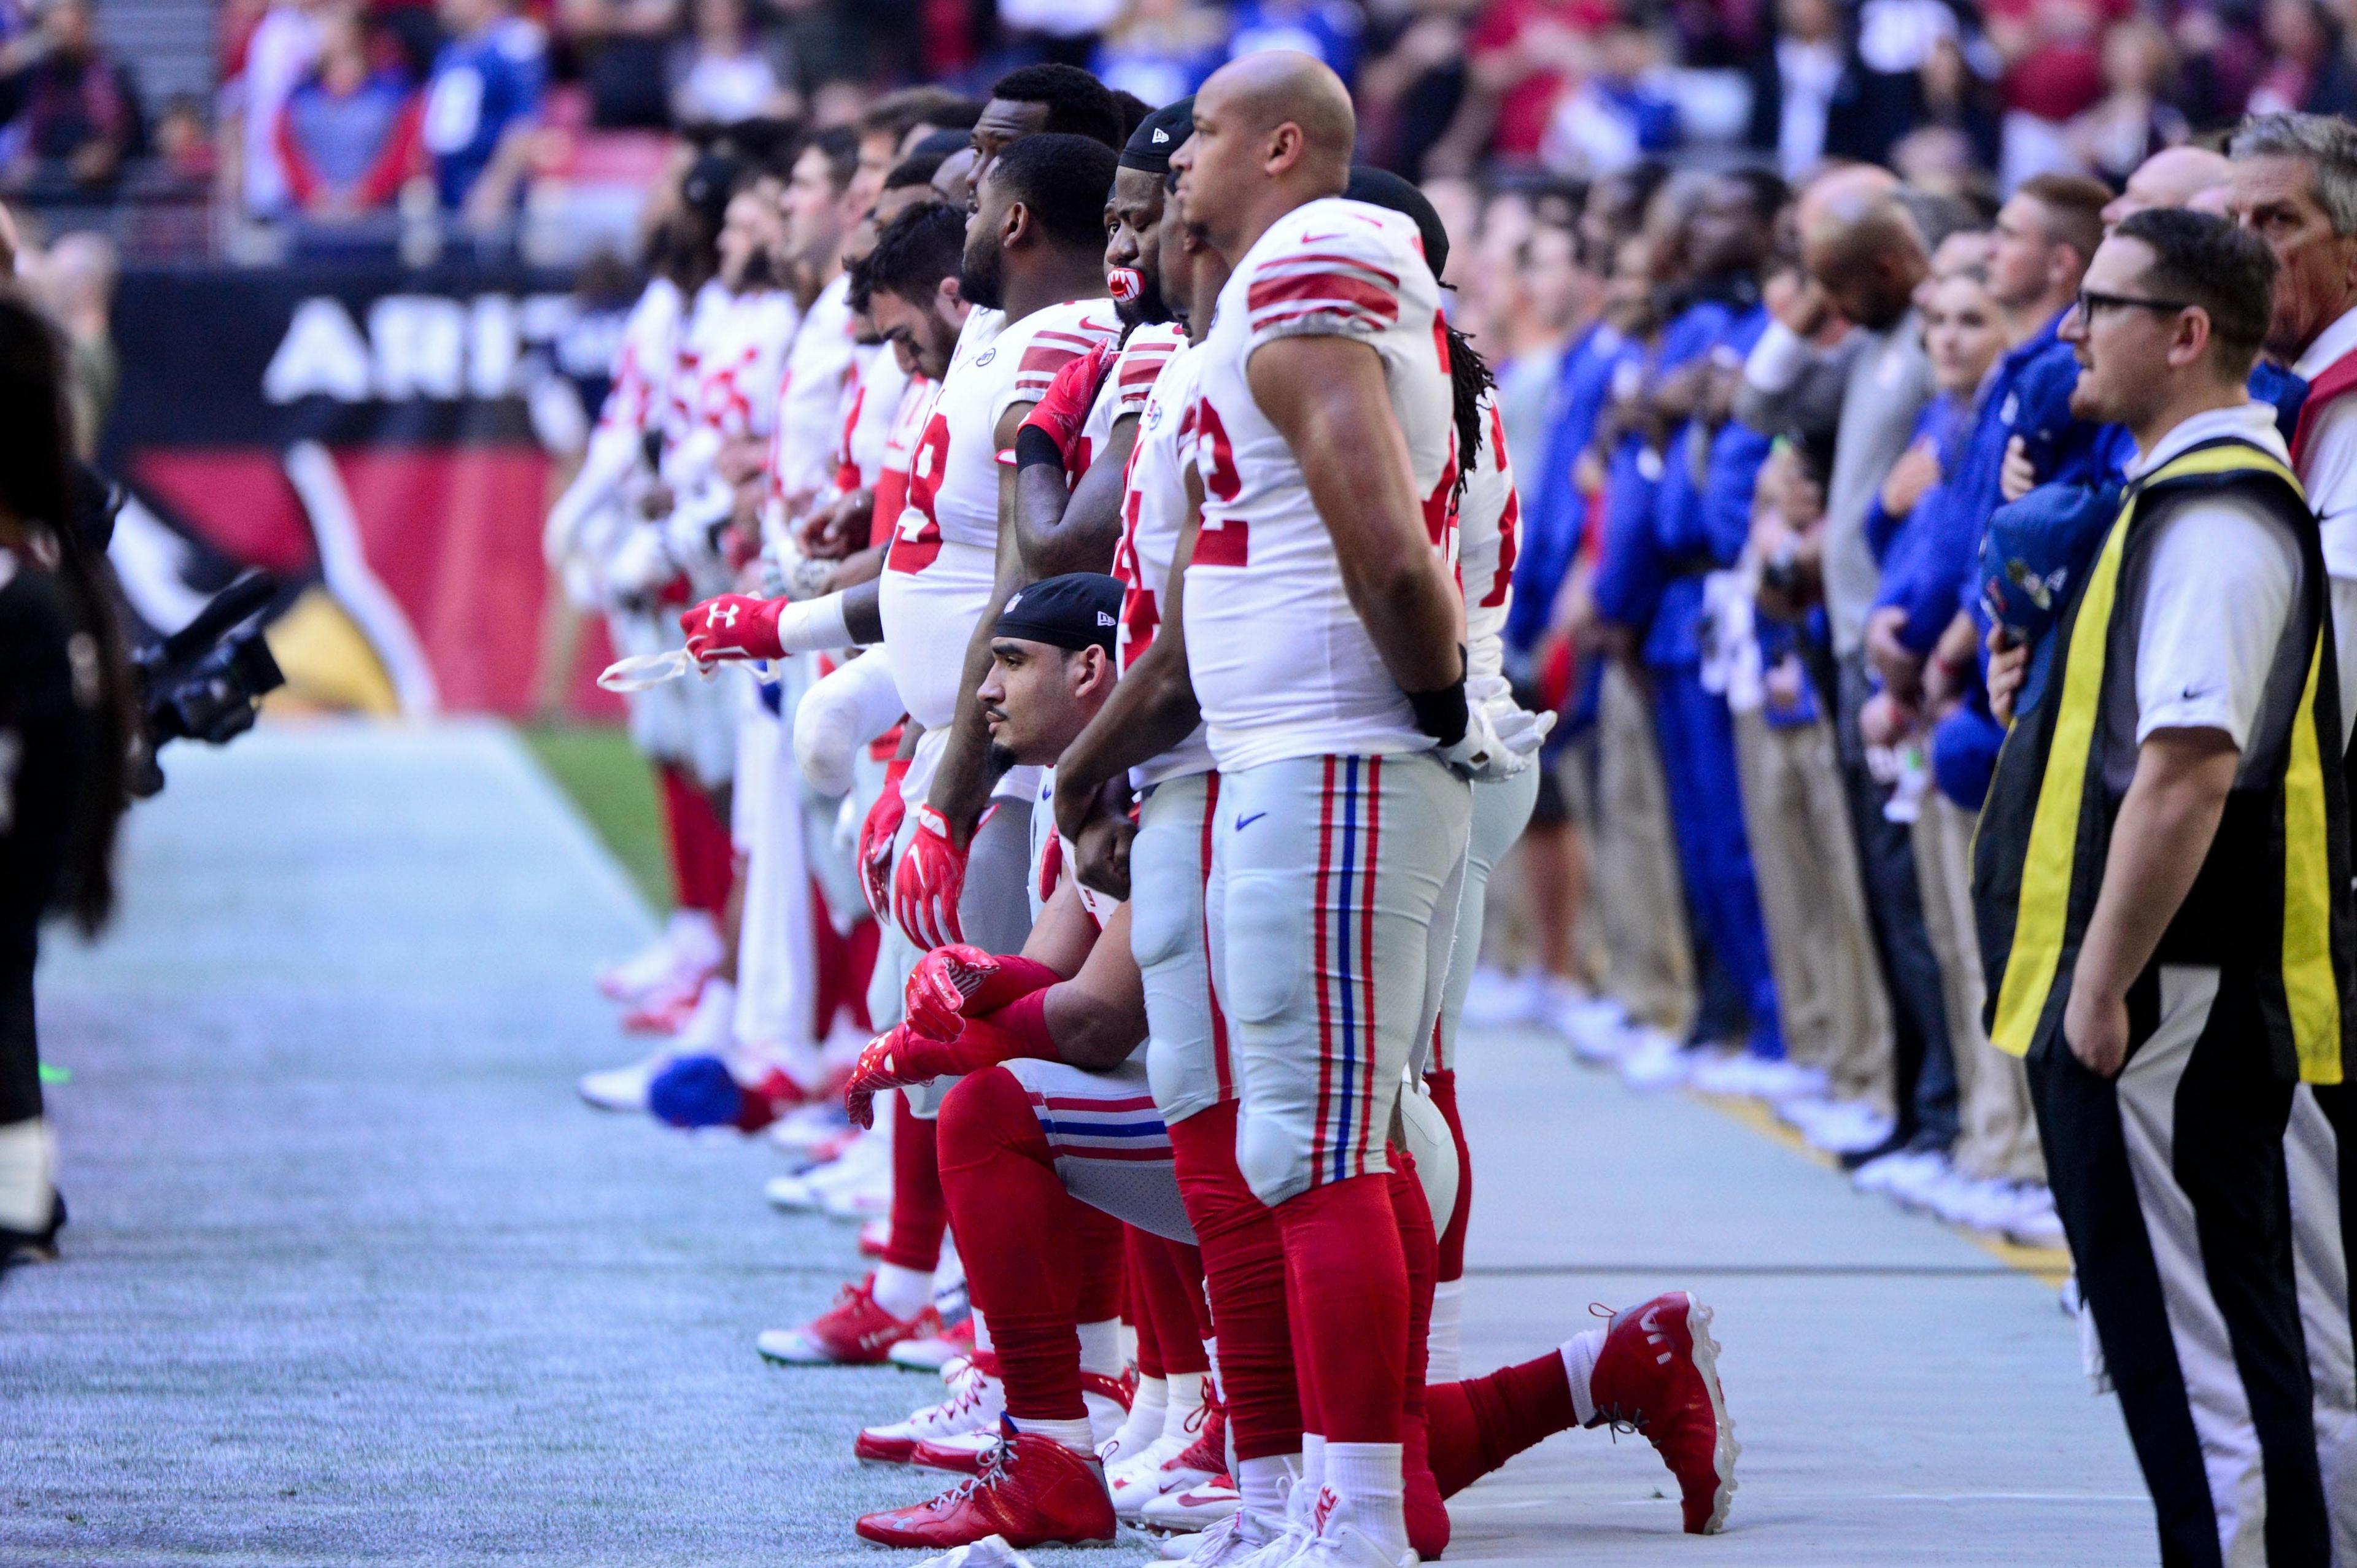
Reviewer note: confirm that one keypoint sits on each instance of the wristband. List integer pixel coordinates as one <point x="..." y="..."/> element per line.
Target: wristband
<point x="1441" y="713"/>
<point x="1035" y="448"/>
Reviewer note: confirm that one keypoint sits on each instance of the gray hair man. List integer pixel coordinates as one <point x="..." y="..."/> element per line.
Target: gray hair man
<point x="2295" y="186"/>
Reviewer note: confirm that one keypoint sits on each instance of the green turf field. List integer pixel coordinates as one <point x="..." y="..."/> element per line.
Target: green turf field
<point x="610" y="783"/>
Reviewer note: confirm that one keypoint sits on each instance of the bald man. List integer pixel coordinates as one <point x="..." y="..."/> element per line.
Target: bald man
<point x="2173" y="176"/>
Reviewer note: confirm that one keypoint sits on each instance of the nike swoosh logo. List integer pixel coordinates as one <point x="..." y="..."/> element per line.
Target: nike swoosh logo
<point x="1243" y="823"/>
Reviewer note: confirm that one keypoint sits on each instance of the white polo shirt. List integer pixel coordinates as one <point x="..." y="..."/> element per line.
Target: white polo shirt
<point x="2217" y="586"/>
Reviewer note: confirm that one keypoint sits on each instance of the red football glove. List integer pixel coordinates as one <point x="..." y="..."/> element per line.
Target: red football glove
<point x="953" y="985"/>
<point x="734" y="626"/>
<point x="1065" y="407"/>
<point x="925" y="887"/>
<point x="885" y="1064"/>
<point x="876" y="838"/>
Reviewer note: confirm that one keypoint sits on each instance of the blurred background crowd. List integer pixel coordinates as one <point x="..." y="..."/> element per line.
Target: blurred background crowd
<point x="239" y="126"/>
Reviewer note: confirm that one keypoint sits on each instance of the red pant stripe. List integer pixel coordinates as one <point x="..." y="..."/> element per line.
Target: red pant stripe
<point x="1367" y="959"/>
<point x="1317" y="918"/>
<point x="1219" y="1064"/>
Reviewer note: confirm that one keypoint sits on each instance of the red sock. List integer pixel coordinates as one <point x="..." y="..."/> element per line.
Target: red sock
<point x="1092" y="1238"/>
<point x="701" y="852"/>
<point x="1244" y="1270"/>
<point x="1348" y="1280"/>
<point x="1427" y="1519"/>
<point x="1139" y="1304"/>
<point x="919" y="1213"/>
<point x="1481" y="1422"/>
<point x="1443" y="1088"/>
<point x="1178" y="1345"/>
<point x="1016" y="1227"/>
<point x="1187" y="1262"/>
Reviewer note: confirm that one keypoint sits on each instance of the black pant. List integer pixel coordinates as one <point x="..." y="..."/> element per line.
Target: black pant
<point x="1924" y="1091"/>
<point x="2169" y="1182"/>
<point x="20" y="1057"/>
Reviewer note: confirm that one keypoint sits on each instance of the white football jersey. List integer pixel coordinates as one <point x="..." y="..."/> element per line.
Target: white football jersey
<point x="1281" y="663"/>
<point x="943" y="561"/>
<point x="1122" y="394"/>
<point x="868" y="423"/>
<point x="738" y="354"/>
<point x="676" y="415"/>
<point x="1052" y="858"/>
<point x="819" y="370"/>
<point x="1488" y="535"/>
<point x="643" y="365"/>
<point x="1153" y="512"/>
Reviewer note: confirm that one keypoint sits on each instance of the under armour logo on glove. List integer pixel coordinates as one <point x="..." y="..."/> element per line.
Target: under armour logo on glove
<point x="734" y="626"/>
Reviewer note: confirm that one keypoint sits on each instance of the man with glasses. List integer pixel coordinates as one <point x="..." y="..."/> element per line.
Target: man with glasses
<point x="2160" y="878"/>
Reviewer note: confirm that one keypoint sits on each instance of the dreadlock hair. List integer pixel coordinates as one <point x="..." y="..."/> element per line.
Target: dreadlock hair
<point x="1469" y="378"/>
<point x="38" y="493"/>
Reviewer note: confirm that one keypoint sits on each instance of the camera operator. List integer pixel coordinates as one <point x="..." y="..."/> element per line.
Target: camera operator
<point x="67" y="719"/>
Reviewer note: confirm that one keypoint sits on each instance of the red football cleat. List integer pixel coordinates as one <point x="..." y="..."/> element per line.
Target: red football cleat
<point x="1658" y="1374"/>
<point x="1032" y="1490"/>
<point x="854" y="1332"/>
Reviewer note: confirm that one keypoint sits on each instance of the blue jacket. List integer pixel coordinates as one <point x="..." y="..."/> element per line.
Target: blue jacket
<point x="1554" y="512"/>
<point x="1630" y="568"/>
<point x="1702" y="511"/>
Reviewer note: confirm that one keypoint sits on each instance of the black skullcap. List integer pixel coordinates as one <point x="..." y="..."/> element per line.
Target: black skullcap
<point x="708" y="183"/>
<point x="1158" y="135"/>
<point x="1381" y="187"/>
<point x="1076" y="610"/>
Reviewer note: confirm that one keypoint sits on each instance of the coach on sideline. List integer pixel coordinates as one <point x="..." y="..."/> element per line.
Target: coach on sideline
<point x="2161" y="875"/>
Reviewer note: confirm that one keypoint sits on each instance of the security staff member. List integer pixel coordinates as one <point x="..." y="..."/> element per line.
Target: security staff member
<point x="2160" y="877"/>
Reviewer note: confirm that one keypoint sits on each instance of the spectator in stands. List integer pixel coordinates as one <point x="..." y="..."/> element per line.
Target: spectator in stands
<point x="1162" y="49"/>
<point x="1619" y="113"/>
<point x="349" y="137"/>
<point x="1520" y="54"/>
<point x="619" y="46"/>
<point x="481" y="104"/>
<point x="2311" y="68"/>
<point x="184" y="141"/>
<point x="727" y="71"/>
<point x="1412" y="82"/>
<point x="2133" y="121"/>
<point x="282" y="48"/>
<point x="79" y="115"/>
<point x="2054" y="72"/>
<point x="1327" y="29"/>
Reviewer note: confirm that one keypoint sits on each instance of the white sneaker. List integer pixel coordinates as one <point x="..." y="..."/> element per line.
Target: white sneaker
<point x="1137" y="1480"/>
<point x="1908" y="1168"/>
<point x="805" y="1127"/>
<point x="1191" y="1509"/>
<point x="974" y="1406"/>
<point x="1231" y="1542"/>
<point x="688" y="949"/>
<point x="624" y="1088"/>
<point x="809" y="1190"/>
<point x="1348" y="1546"/>
<point x="1838" y="1126"/>
<point x="1973" y="1202"/>
<point x="1745" y="1074"/>
<point x="867" y="1196"/>
<point x="1655" y="1061"/>
<point x="2034" y="1222"/>
<point x="1497" y="1000"/>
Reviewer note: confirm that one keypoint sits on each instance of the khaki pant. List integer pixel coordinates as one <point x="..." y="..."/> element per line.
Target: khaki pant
<point x="1639" y="902"/>
<point x="1999" y="1136"/>
<point x="1828" y="985"/>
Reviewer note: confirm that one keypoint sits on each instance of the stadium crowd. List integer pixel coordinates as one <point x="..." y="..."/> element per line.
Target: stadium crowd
<point x="919" y="430"/>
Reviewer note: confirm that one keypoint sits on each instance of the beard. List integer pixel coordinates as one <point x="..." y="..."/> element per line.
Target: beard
<point x="982" y="276"/>
<point x="996" y="761"/>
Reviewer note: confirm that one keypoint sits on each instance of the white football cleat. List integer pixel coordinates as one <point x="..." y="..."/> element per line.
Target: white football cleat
<point x="974" y="1406"/>
<point x="1191" y="1509"/>
<point x="1655" y="1060"/>
<point x="624" y="1088"/>
<point x="1139" y="1478"/>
